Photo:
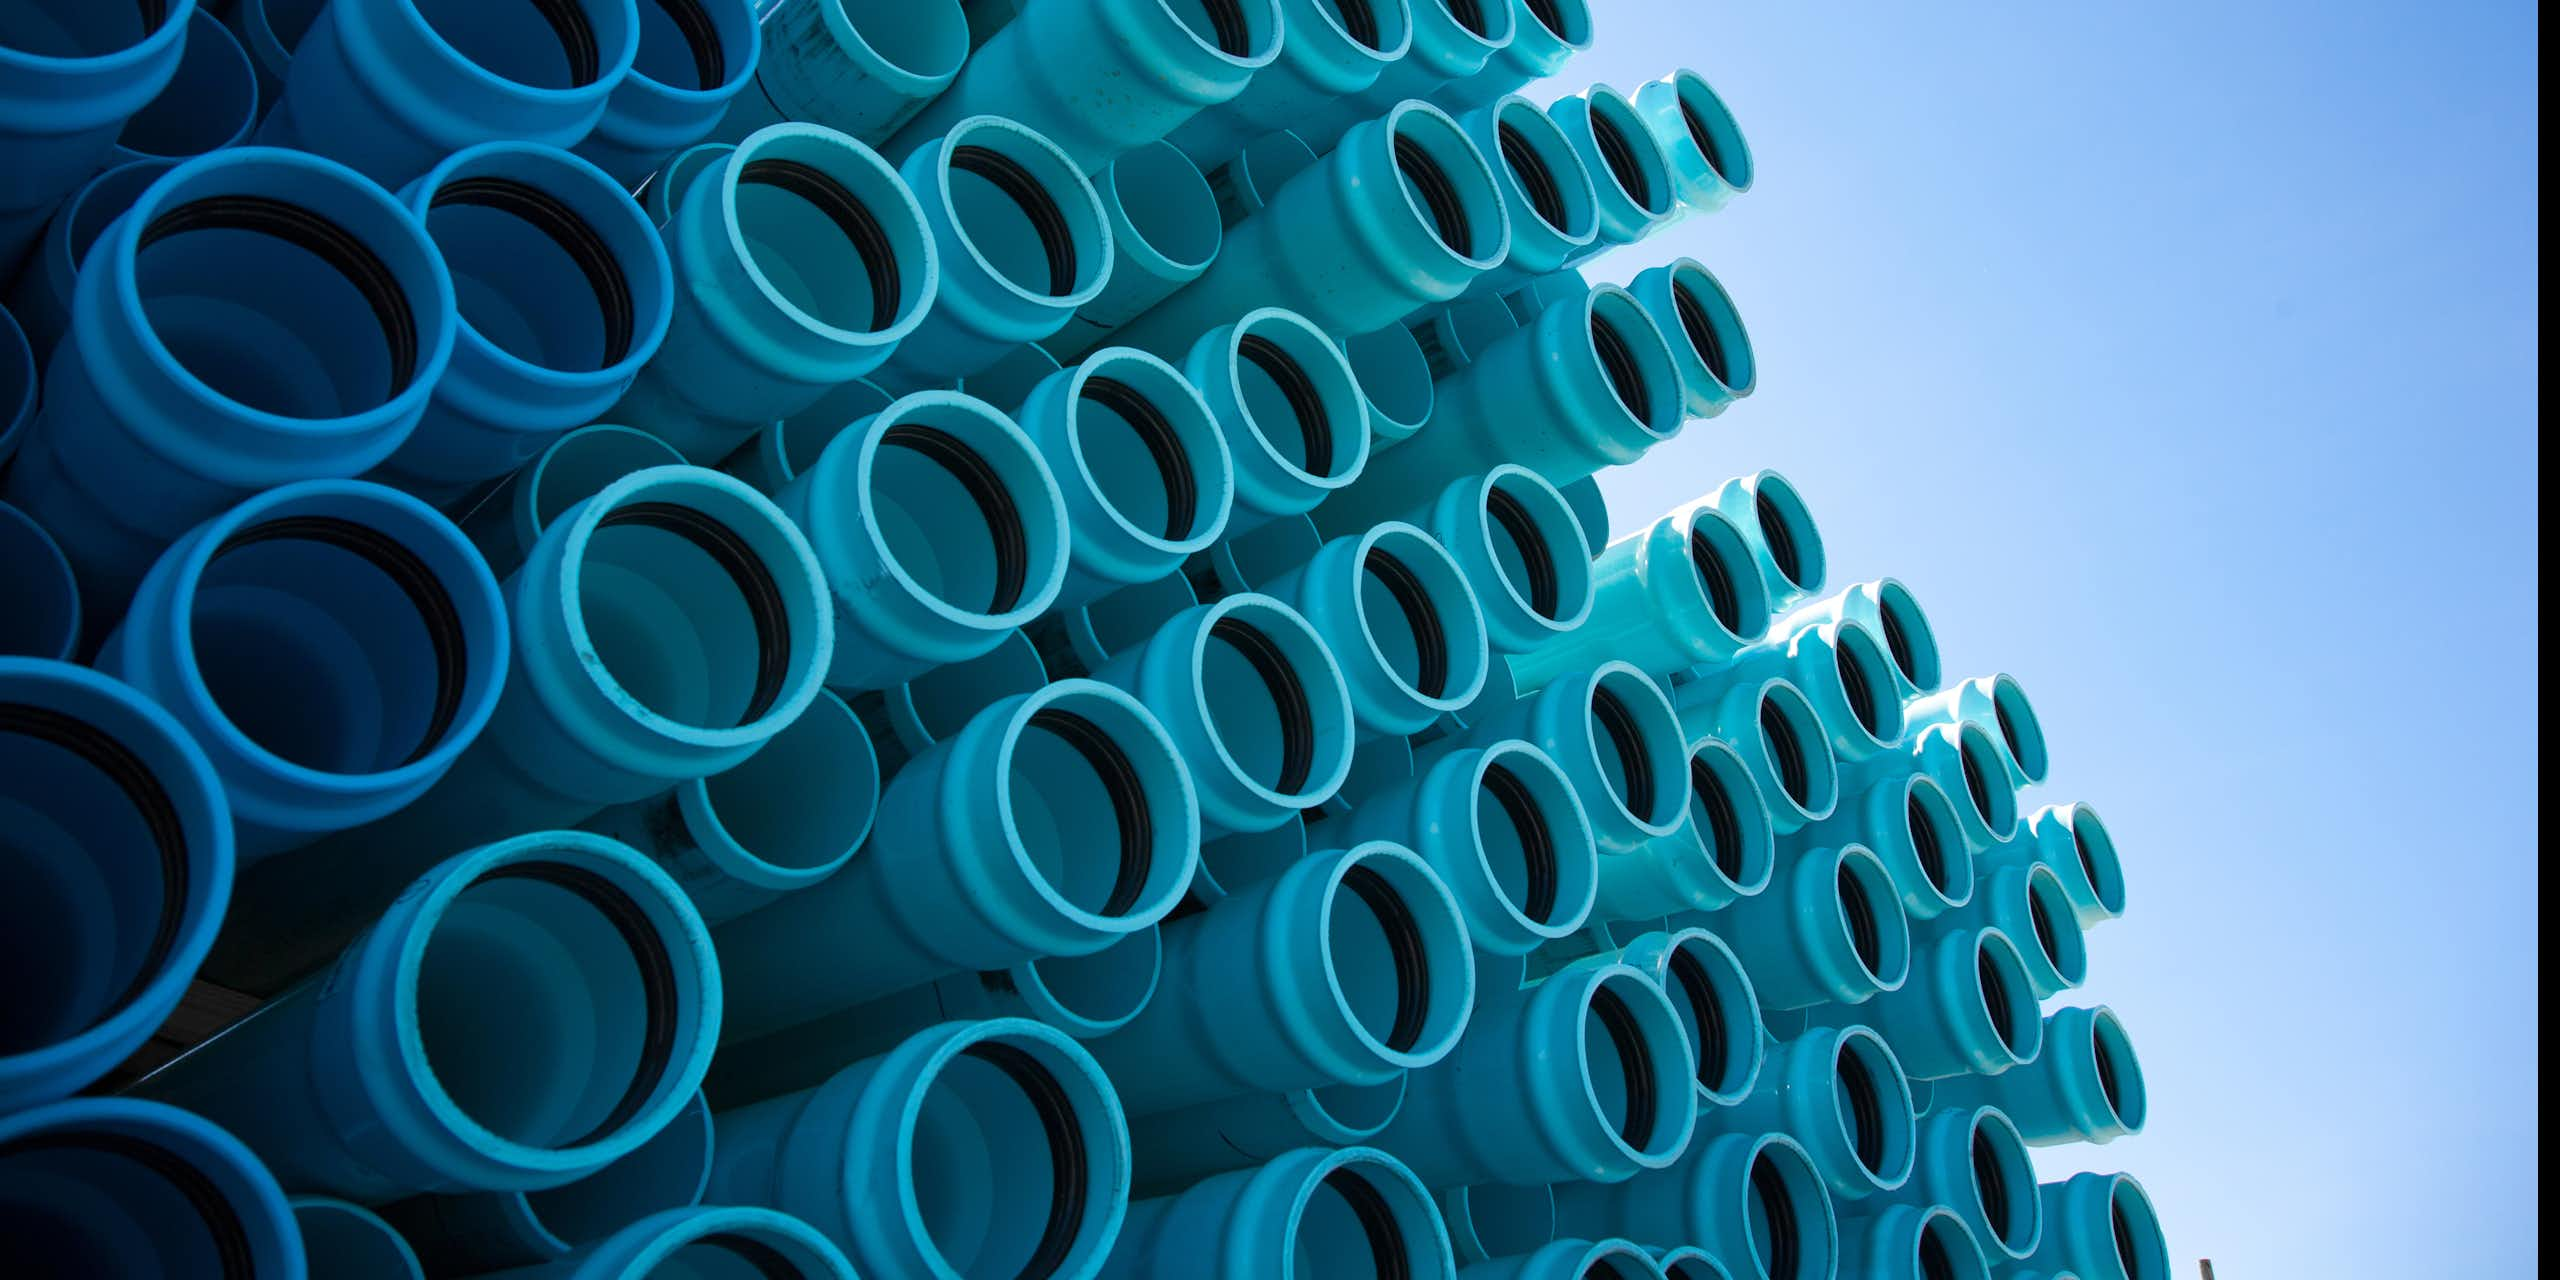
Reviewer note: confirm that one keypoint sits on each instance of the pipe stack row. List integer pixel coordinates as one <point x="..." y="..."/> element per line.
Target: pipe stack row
<point x="917" y="638"/>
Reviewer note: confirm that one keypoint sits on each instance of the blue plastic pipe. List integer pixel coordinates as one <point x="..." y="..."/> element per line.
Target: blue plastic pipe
<point x="1785" y="542"/>
<point x="1023" y="243"/>
<point x="729" y="1240"/>
<point x="1010" y="380"/>
<point x="904" y="719"/>
<point x="1254" y="559"/>
<point x="1056" y="823"/>
<point x="343" y="1239"/>
<point x="777" y="454"/>
<point x="1845" y="671"/>
<point x="1708" y="341"/>
<point x="1841" y="1094"/>
<point x="1494" y="1221"/>
<point x="119" y="862"/>
<point x="1614" y="734"/>
<point x="1104" y="77"/>
<point x="1452" y="337"/>
<point x="417" y="1080"/>
<point x="1255" y="701"/>
<point x="2101" y="1226"/>
<point x="1545" y="33"/>
<point x="1886" y="607"/>
<point x="257" y="317"/>
<point x="1291" y="409"/>
<point x="1077" y="641"/>
<point x="210" y="102"/>
<point x="2028" y="904"/>
<point x="1395" y="608"/>
<point x="694" y="58"/>
<point x="468" y="1234"/>
<point x="1503" y="829"/>
<point x="389" y="619"/>
<point x="2085" y="1086"/>
<point x="1691" y="1262"/>
<point x="1452" y="40"/>
<point x="1969" y="765"/>
<point x="1611" y="1259"/>
<point x="1713" y="996"/>
<point x="789" y="816"/>
<point x="1630" y="169"/>
<point x="1142" y="464"/>
<point x="71" y="73"/>
<point x="41" y="296"/>
<point x="802" y="260"/>
<point x="1908" y="821"/>
<point x="1312" y="1212"/>
<point x="568" y="471"/>
<point x="1828" y="929"/>
<point x="80" y="1179"/>
<point x="1246" y="183"/>
<point x="2074" y="841"/>
<point x="1402" y="215"/>
<point x="1966" y="1008"/>
<point x="1912" y="1242"/>
<point x="664" y="193"/>
<point x="1585" y="1076"/>
<point x="44" y="616"/>
<point x="1165" y="230"/>
<point x="940" y="531"/>
<point x="1681" y="593"/>
<point x="269" y="31"/>
<point x="1997" y="703"/>
<point x="973" y="1149"/>
<point x="1584" y="387"/>
<point x="1547" y="192"/>
<point x="390" y="87"/>
<point x="1710" y="159"/>
<point x="565" y="292"/>
<point x="1779" y="736"/>
<point x="1178" y="1148"/>
<point x="19" y="384"/>
<point x="1330" y="50"/>
<point x="1395" y="382"/>
<point x="860" y="68"/>
<point x="1721" y="851"/>
<point x="1751" y="1199"/>
<point x="1347" y="968"/>
<point x="1971" y="1161"/>
<point x="1521" y="550"/>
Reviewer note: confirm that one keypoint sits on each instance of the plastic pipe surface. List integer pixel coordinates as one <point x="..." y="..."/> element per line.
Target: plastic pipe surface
<point x="1844" y="671"/>
<point x="1827" y="930"/>
<point x="1779" y="736"/>
<point x="71" y="74"/>
<point x="1886" y="607"/>
<point x="702" y="1242"/>
<point x="1753" y="1200"/>
<point x="777" y="454"/>
<point x="1076" y="641"/>
<point x="1682" y="592"/>
<point x="1972" y="1161"/>
<point x="390" y="87"/>
<point x="861" y="68"/>
<point x="469" y="1234"/>
<point x="1717" y="1009"/>
<point x="2075" y="842"/>
<point x="1395" y="382"/>
<point x="568" y="471"/>
<point x="1494" y="1221"/>
<point x="1721" y="851"/>
<point x="905" y="719"/>
<point x="1254" y="559"/>
<point x="664" y="193"/>
<point x="1572" y="1260"/>
<point x="1010" y="379"/>
<point x="1690" y="1262"/>
<point x="119" y="862"/>
<point x="1547" y="193"/>
<point x="343" y="1239"/>
<point x="1311" y="1212"/>
<point x="1998" y="703"/>
<point x="1630" y="169"/>
<point x="420" y="1082"/>
<point x="2101" y="1226"/>
<point x="1178" y="1148"/>
<point x="1246" y="183"/>
<point x="1545" y="33"/>
<point x="693" y="59"/>
<point x="41" y="297"/>
<point x="1452" y="40"/>
<point x="1453" y="336"/>
<point x="210" y="102"/>
<point x="2028" y="904"/>
<point x="1968" y="1007"/>
<point x="1712" y="349"/>
<point x="1967" y="763"/>
<point x="1840" y="1093"/>
<point x="1614" y="734"/>
<point x="1521" y="549"/>
<point x="1141" y="462"/>
<point x="1910" y="824"/>
<point x="1329" y="51"/>
<point x="1395" y="608"/>
<point x="1785" y="540"/>
<point x="1165" y="230"/>
<point x="389" y="620"/>
<point x="1503" y="829"/>
<point x="2085" y="1086"/>
<point x="1291" y="409"/>
<point x="19" y="381"/>
<point x="1710" y="159"/>
<point x="1912" y="1242"/>
<point x="79" y="1178"/>
<point x="980" y="1150"/>
<point x="269" y="31"/>
<point x="35" y="577"/>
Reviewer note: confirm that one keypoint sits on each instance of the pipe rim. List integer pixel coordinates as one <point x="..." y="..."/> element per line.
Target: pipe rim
<point x="1186" y="436"/>
<point x="1781" y="1188"/>
<point x="1160" y="809"/>
<point x="1386" y="46"/>
<point x="1264" y="630"/>
<point x="1394" y="379"/>
<point x="1656" y="1088"/>
<point x="1744" y="855"/>
<point x="1705" y="974"/>
<point x="1786" y="527"/>
<point x="1329" y="408"/>
<point x="247" y="1218"/>
<point x="1703" y="114"/>
<point x="1692" y="1262"/>
<point x="1944" y="1248"/>
<point x="1731" y="595"/>
<point x="1877" y="938"/>
<point x="1871" y="1100"/>
<point x="1711" y="329"/>
<point x="2021" y="731"/>
<point x="1561" y="870"/>
<point x="1864" y="675"/>
<point x="1009" y="478"/>
<point x="1999" y="1168"/>
<point x="1463" y="202"/>
<point x="2093" y="845"/>
<point x="389" y="1247"/>
<point x="737" y="43"/>
<point x="40" y="583"/>
<point x="151" y="42"/>
<point x="535" y="509"/>
<point x="1639" y="169"/>
<point x="1329" y="1115"/>
<point x="1261" y="36"/>
<point x="1401" y="1225"/>
<point x="1519" y="507"/>
<point x="1436" y="607"/>
<point x="1632" y="356"/>
<point x="910" y="82"/>
<point x="605" y="23"/>
<point x="2005" y="1000"/>
<point x="1155" y="167"/>
<point x="1934" y="834"/>
<point x="1624" y="710"/>
<point x="772" y="1244"/>
<point x="2141" y="1250"/>
<point x="625" y="1185"/>
<point x="1065" y="1004"/>
<point x="869" y="202"/>
<point x="1433" y="959"/>
<point x="206" y="35"/>
<point x="1087" y="243"/>
<point x="1530" y="1210"/>
<point x="1981" y="763"/>
<point x="1525" y="135"/>
<point x="2060" y="942"/>
<point x="854" y="786"/>
<point x="2117" y="1070"/>
<point x="1908" y="635"/>
<point x="1797" y="752"/>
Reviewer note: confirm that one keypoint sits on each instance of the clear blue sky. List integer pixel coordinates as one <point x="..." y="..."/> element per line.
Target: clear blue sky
<point x="2180" y="356"/>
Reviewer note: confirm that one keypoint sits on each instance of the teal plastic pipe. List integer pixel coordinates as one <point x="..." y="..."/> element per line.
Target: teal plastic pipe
<point x="1721" y="851"/>
<point x="1690" y="1262"/>
<point x="1629" y="167"/>
<point x="418" y="1081"/>
<point x="904" y="719"/>
<point x="974" y="1149"/>
<point x="1254" y="559"/>
<point x="1545" y="34"/>
<point x="1247" y="182"/>
<point x="1312" y="1212"/>
<point x="2102" y="1226"/>
<point x="121" y="1189"/>
<point x="1329" y="50"/>
<point x="1520" y="548"/>
<point x="1395" y="382"/>
<point x="1886" y="607"/>
<point x="778" y="453"/>
<point x="1547" y="193"/>
<point x="2028" y="904"/>
<point x="1503" y="829"/>
<point x="1844" y="670"/>
<point x="44" y="620"/>
<point x="1681" y="593"/>
<point x="1176" y="1149"/>
<point x="1076" y="641"/>
<point x="1967" y="1008"/>
<point x="695" y="57"/>
<point x="1614" y="734"/>
<point x="1785" y="541"/>
<point x="1710" y="159"/>
<point x="701" y="1242"/>
<point x="1828" y="929"/>
<point x="1165" y="230"/>
<point x="862" y="69"/>
<point x="1911" y="1242"/>
<point x="1841" y="1094"/>
<point x="1395" y="608"/>
<point x="1712" y="348"/>
<point x="1290" y="407"/>
<point x="1573" y="1260"/>
<point x="461" y="1235"/>
<point x="343" y="1239"/>
<point x="1967" y="763"/>
<point x="1972" y="1161"/>
<point x="2075" y="842"/>
<point x="1712" y="994"/>
<point x="1908" y="822"/>
<point x="1998" y="703"/>
<point x="1491" y="1220"/>
<point x="1452" y="40"/>
<point x="1780" y="738"/>
<point x="1010" y="379"/>
<point x="70" y="77"/>
<point x="2085" y="1086"/>
<point x="1142" y="464"/>
<point x="568" y="471"/>
<point x="664" y="193"/>
<point x="1751" y="1199"/>
<point x="1058" y="822"/>
<point x="1452" y="337"/>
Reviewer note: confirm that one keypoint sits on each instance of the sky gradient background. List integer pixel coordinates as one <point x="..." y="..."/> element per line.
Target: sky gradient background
<point x="2180" y="357"/>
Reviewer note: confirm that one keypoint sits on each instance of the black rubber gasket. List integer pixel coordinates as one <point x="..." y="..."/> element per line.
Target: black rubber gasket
<point x="1926" y="844"/>
<point x="1048" y="221"/>
<point x="1537" y="560"/>
<point x="1068" y="1174"/>
<point x="1469" y="14"/>
<point x="768" y="1261"/>
<point x="2041" y="921"/>
<point x="1603" y="1269"/>
<point x="553" y="217"/>
<point x="1387" y="1248"/>
<point x="1977" y="786"/>
<point x="1857" y="690"/>
<point x="1618" y="363"/>
<point x="1430" y="183"/>
<point x="1717" y="577"/>
<point x="986" y="489"/>
<point x="2088" y="857"/>
<point x="1780" y="536"/>
<point x="1715" y="1041"/>
<point x="851" y="216"/>
<point x="1164" y="448"/>
<point x="230" y="1237"/>
<point x="2126" y="1251"/>
<point x="1935" y="1264"/>
<point x="1227" y="17"/>
<point x="1537" y="181"/>
<point x="427" y="594"/>
<point x="1288" y="698"/>
<point x="1779" y="1205"/>
<point x="1626" y="741"/>
<point x="1724" y="821"/>
<point x="1129" y="809"/>
<point x="1404" y="945"/>
<point x="1701" y="333"/>
<point x="2009" y="736"/>
<point x="151" y="803"/>
<point x="1704" y="137"/>
<point x="577" y="39"/>
<point x="1786" y="751"/>
<point x="702" y="38"/>
<point x="1866" y="1109"/>
<point x="756" y="587"/>
<point x="1315" y="426"/>
<point x="1360" y="21"/>
<point x="1634" y="1065"/>
<point x="1537" y="843"/>
<point x="1991" y="1186"/>
<point x="1995" y="998"/>
<point x="1547" y="15"/>
<point x="648" y="953"/>
<point x="1619" y="156"/>
<point x="1430" y="642"/>
<point x="1897" y="640"/>
<point x="1858" y="914"/>
<point x="320" y="237"/>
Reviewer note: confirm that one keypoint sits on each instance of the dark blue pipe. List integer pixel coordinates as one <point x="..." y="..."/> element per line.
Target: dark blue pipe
<point x="71" y="73"/>
<point x="483" y="1232"/>
<point x="857" y="67"/>
<point x="18" y="385"/>
<point x="1178" y="1148"/>
<point x="1491" y="1220"/>
<point x="211" y="102"/>
<point x="777" y="454"/>
<point x="269" y="31"/>
<point x="41" y="296"/>
<point x="119" y="1189"/>
<point x="44" y="615"/>
<point x="344" y="1239"/>
<point x="570" y="470"/>
<point x="702" y="1242"/>
<point x="1165" y="230"/>
<point x="694" y="57"/>
<point x="1313" y="1212"/>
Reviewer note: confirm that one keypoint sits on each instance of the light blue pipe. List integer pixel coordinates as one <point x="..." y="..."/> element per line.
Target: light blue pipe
<point x="1256" y="703"/>
<point x="242" y="360"/>
<point x="1969" y="765"/>
<point x="1494" y="1221"/>
<point x="1105" y="77"/>
<point x="1710" y="159"/>
<point x="1291" y="409"/>
<point x="379" y="86"/>
<point x="1254" y="559"/>
<point x="1503" y="829"/>
<point x="1997" y="703"/>
<point x="1452" y="40"/>
<point x="1751" y="1199"/>
<point x="41" y="297"/>
<point x="1713" y="349"/>
<point x="1056" y="823"/>
<point x="1630" y="170"/>
<point x="1971" y="1161"/>
<point x="1886" y="607"/>
<point x="1074" y="642"/>
<point x="1614" y="734"/>
<point x="802" y="261"/>
<point x="1681" y="593"/>
<point x="568" y="471"/>
<point x="1331" y="50"/>
<point x="1545" y="34"/>
<point x="904" y="719"/>
<point x="469" y="1234"/>
<point x="1552" y="289"/>
<point x="1011" y="379"/>
<point x="1966" y="1008"/>
<point x="987" y="17"/>
<point x="1246" y="859"/>
<point x="1718" y="1012"/>
<point x="1841" y="1094"/>
<point x="940" y="531"/>
<point x="80" y="1179"/>
<point x="2102" y="1226"/>
<point x="1785" y="541"/>
<point x="1828" y="929"/>
<point x="1245" y="184"/>
<point x="973" y="1149"/>
<point x="210" y="102"/>
<point x="391" y="619"/>
<point x="1573" y="1260"/>
<point x="70" y="76"/>
<point x="1780" y="738"/>
<point x="1844" y="671"/>
<point x="860" y="68"/>
<point x="1583" y="388"/>
<point x="1178" y="1148"/>
<point x="664" y="193"/>
<point x="1721" y="851"/>
<point x="1165" y="231"/>
<point x="694" y="58"/>
<point x="44" y="616"/>
<point x="1347" y="968"/>
<point x="1142" y="463"/>
<point x="1395" y="382"/>
<point x="1547" y="193"/>
<point x="787" y="817"/>
<point x="2028" y="904"/>
<point x="702" y="1242"/>
<point x="1912" y="1242"/>
<point x="1023" y="242"/>
<point x="1402" y="215"/>
<point x="417" y="1081"/>
<point x="2075" y="842"/>
<point x="119" y="863"/>
<point x="1454" y="336"/>
<point x="1312" y="1212"/>
<point x="269" y="31"/>
<point x="1518" y="1103"/>
<point x="2085" y="1086"/>
<point x="1395" y="608"/>
<point x="343" y="1239"/>
<point x="777" y="455"/>
<point x="1521" y="550"/>
<point x="565" y="292"/>
<point x="1910" y="824"/>
<point x="1690" y="1262"/>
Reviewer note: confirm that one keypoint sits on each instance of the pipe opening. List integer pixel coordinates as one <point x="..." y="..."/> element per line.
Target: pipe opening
<point x="2081" y="850"/>
<point x="2047" y="940"/>
<point x="1529" y="879"/>
<point x="1398" y="936"/>
<point x="1632" y="780"/>
<point x="81" y="28"/>
<point x="2109" y="1086"/>
<point x="323" y="374"/>
<point x="1528" y="549"/>
<point x="1700" y="331"/>
<point x="209" y="101"/>
<point x="1537" y="181"/>
<point x="508" y="286"/>
<point x="1298" y="388"/>
<point x="1780" y="534"/>
<point x="1469" y="13"/>
<point x="1858" y="915"/>
<point x="1704" y="137"/>
<point x="2020" y="731"/>
<point x="2136" y="1230"/>
<point x="1786" y="750"/>
<point x="1906" y="634"/>
<point x="1977" y="784"/>
<point x="1857" y="687"/>
<point x="695" y="44"/>
<point x="1007" y="545"/>
<point x="1991" y="1185"/>
<point x="1027" y="196"/>
<point x="1290" y="707"/>
<point x="1180" y="495"/>
<point x="1997" y="1001"/>
<point x="814" y="191"/>
<point x="1723" y="599"/>
<point x="1707" y="1020"/>
<point x="1547" y="15"/>
<point x="1618" y="362"/>
<point x="1618" y="156"/>
<point x="761" y="1259"/>
<point x="766" y="806"/>
<point x="1936" y="1261"/>
<point x="1775" y="1233"/>
<point x="1861" y="1103"/>
<point x="973" y="1176"/>
<point x="1928" y="844"/>
<point x="1360" y="21"/>
<point x="1603" y="1269"/>
<point x="666" y="1172"/>
<point x="631" y="550"/>
<point x="578" y="466"/>
<point x="1626" y="1096"/>
<point x="504" y="40"/>
<point x="1348" y="1228"/>
<point x="101" y="1165"/>
<point x="1061" y="765"/>
<point x="1423" y="650"/>
<point x="1226" y="22"/>
<point x="1721" y="819"/>
<point x="1427" y="182"/>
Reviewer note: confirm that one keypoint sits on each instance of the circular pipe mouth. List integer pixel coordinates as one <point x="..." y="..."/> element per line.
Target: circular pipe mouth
<point x="1986" y="781"/>
<point x="1627" y="742"/>
<point x="1306" y="405"/>
<point x="1395" y="379"/>
<point x="1427" y="182"/>
<point x="1132" y="815"/>
<point x="1537" y="181"/>
<point x="2001" y="980"/>
<point x="1288" y="694"/>
<point x="1725" y="807"/>
<point x="2134" y="1226"/>
<point x="669" y="1171"/>
<point x="1721" y="558"/>
<point x="1711" y="126"/>
<point x="578" y="466"/>
<point x="1874" y="1107"/>
<point x="1723" y="1039"/>
<point x="1777" y="1230"/>
<point x="1787" y="530"/>
<point x="1618" y="362"/>
<point x="1628" y="151"/>
<point x="1405" y="945"/>
<point x="851" y="217"/>
<point x="86" y="42"/>
<point x="1168" y="220"/>
<point x="1449" y="183"/>
<point x="1942" y="1241"/>
<point x="1544" y="594"/>
<point x="1798" y="754"/>
<point x="1639" y="1092"/>
<point x="2095" y="848"/>
<point x="1689" y="1262"/>
<point x="766" y="810"/>
<point x="1538" y="854"/>
<point x="1430" y="676"/>
<point x="557" y="221"/>
<point x="1383" y="1237"/>
<point x="705" y="45"/>
<point x="1871" y="918"/>
<point x="1470" y="14"/>
<point x="1095" y="994"/>
<point x="1573" y="29"/>
<point x="342" y="1239"/>
<point x="1907" y="634"/>
<point x="228" y="1240"/>
<point x="2021" y="733"/>
<point x="2004" y="1182"/>
<point x="756" y="587"/>
<point x="2119" y="1073"/>
<point x="209" y="102"/>
<point x="1931" y="837"/>
<point x="1069" y="1172"/>
<point x="1866" y="682"/>
<point x="1175" y="468"/>
<point x="1017" y="184"/>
